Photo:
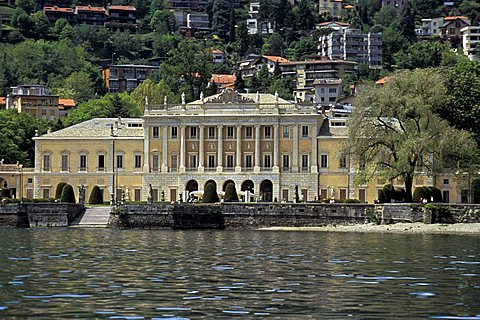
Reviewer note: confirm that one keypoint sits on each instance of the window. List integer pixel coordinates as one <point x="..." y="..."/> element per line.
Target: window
<point x="193" y="132"/>
<point x="324" y="161"/>
<point x="362" y="195"/>
<point x="192" y="163"/>
<point x="323" y="193"/>
<point x="267" y="132"/>
<point x="174" y="161"/>
<point x="64" y="162"/>
<point x="137" y="194"/>
<point x="211" y="132"/>
<point x="30" y="180"/>
<point x="119" y="161"/>
<point x="304" y="162"/>
<point x="343" y="194"/>
<point x="101" y="162"/>
<point x="304" y="131"/>
<point x="138" y="161"/>
<point x="285" y="195"/>
<point x="83" y="162"/>
<point x="155" y="162"/>
<point x="286" y="162"/>
<point x="46" y="193"/>
<point x="286" y="132"/>
<point x="332" y="90"/>
<point x="362" y="164"/>
<point x="446" y="181"/>
<point x="248" y="133"/>
<point x="266" y="161"/>
<point x="211" y="161"/>
<point x="446" y="196"/>
<point x="248" y="161"/>
<point x="464" y="196"/>
<point x="155" y="132"/>
<point x="342" y="162"/>
<point x="174" y="133"/>
<point x="229" y="160"/>
<point x="46" y="162"/>
<point x="229" y="132"/>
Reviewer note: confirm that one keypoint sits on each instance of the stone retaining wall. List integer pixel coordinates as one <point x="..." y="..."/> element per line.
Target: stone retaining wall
<point x="39" y="214"/>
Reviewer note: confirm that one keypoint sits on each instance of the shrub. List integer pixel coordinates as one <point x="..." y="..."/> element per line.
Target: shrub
<point x="67" y="194"/>
<point x="230" y="193"/>
<point x="5" y="193"/>
<point x="58" y="191"/>
<point x="441" y="214"/>
<point x="426" y="193"/>
<point x="389" y="193"/>
<point x="96" y="196"/>
<point x="210" y="194"/>
<point x="351" y="201"/>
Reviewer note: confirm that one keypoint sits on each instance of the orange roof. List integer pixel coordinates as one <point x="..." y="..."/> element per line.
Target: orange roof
<point x="66" y="103"/>
<point x="455" y="18"/>
<point x="90" y="8"/>
<point x="3" y="101"/>
<point x="223" y="78"/>
<point x="276" y="59"/>
<point x="321" y="24"/>
<point x="381" y="81"/>
<point x="57" y="9"/>
<point x="216" y="51"/>
<point x="125" y="8"/>
<point x="349" y="6"/>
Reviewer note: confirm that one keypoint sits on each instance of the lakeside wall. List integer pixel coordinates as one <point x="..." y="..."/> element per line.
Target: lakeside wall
<point x="25" y="215"/>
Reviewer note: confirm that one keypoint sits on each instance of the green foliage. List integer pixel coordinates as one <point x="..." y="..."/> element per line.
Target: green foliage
<point x="423" y="54"/>
<point x="163" y="22"/>
<point x="385" y="17"/>
<point x="222" y="18"/>
<point x="427" y="193"/>
<point x="210" y="194"/>
<point x="303" y="47"/>
<point x="68" y="196"/>
<point x="78" y="86"/>
<point x="407" y="23"/>
<point x="230" y="193"/>
<point x="440" y="214"/>
<point x="58" y="190"/>
<point x="155" y="92"/>
<point x="393" y="42"/>
<point x="96" y="196"/>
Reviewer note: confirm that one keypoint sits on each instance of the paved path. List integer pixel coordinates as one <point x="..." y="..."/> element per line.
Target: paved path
<point x="94" y="217"/>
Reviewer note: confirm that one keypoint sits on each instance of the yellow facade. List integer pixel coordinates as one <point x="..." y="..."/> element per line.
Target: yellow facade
<point x="265" y="145"/>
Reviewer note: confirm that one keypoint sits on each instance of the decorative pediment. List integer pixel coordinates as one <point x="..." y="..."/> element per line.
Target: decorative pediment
<point x="230" y="96"/>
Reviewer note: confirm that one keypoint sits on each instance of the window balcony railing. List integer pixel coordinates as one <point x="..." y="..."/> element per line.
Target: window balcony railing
<point x="247" y="168"/>
<point x="228" y="168"/>
<point x="286" y="169"/>
<point x="190" y="169"/>
<point x="266" y="169"/>
<point x="210" y="169"/>
<point x="305" y="169"/>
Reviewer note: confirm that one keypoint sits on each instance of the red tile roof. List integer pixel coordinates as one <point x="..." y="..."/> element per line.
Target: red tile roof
<point x="58" y="9"/>
<point x="66" y="103"/>
<point x="223" y="78"/>
<point x="216" y="51"/>
<point x="90" y="8"/>
<point x="333" y="22"/>
<point x="381" y="81"/>
<point x="276" y="59"/>
<point x="124" y="8"/>
<point x="455" y="18"/>
<point x="3" y="101"/>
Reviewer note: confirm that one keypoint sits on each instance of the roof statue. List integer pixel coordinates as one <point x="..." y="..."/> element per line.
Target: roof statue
<point x="230" y="96"/>
<point x="165" y="100"/>
<point x="183" y="98"/>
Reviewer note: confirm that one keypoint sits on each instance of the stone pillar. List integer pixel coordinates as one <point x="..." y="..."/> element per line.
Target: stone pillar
<point x="238" y="165"/>
<point x="220" y="149"/>
<point x="182" y="149"/>
<point x="256" y="168"/>
<point x="165" y="149"/>
<point x="201" y="150"/>
<point x="36" y="178"/>
<point x="111" y="167"/>
<point x="314" y="165"/>
<point x="276" y="142"/>
<point x="295" y="149"/>
<point x="146" y="146"/>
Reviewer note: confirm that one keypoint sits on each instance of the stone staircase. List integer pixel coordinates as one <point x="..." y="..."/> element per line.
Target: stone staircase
<point x="93" y="217"/>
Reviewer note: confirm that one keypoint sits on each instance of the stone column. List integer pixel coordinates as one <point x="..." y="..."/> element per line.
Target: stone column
<point x="256" y="168"/>
<point x="165" y="149"/>
<point x="36" y="178"/>
<point x="182" y="149"/>
<point x="276" y="144"/>
<point x="111" y="166"/>
<point x="295" y="149"/>
<point x="314" y="165"/>
<point x="238" y="165"/>
<point x="201" y="150"/>
<point x="220" y="148"/>
<point x="146" y="149"/>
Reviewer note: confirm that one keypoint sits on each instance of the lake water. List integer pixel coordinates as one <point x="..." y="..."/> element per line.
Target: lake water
<point x="163" y="274"/>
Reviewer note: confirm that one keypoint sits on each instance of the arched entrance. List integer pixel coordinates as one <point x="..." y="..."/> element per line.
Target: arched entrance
<point x="210" y="181"/>
<point x="192" y="185"/>
<point x="247" y="185"/>
<point x="4" y="190"/>
<point x="266" y="191"/>
<point x="225" y="184"/>
<point x="476" y="191"/>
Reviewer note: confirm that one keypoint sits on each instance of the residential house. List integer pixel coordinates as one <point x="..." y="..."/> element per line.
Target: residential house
<point x="123" y="78"/>
<point x="65" y="106"/>
<point x="223" y="81"/>
<point x="55" y="13"/>
<point x="198" y="21"/>
<point x="431" y="27"/>
<point x="395" y="4"/>
<point x="94" y="16"/>
<point x="330" y="8"/>
<point x="450" y="30"/>
<point x="327" y="91"/>
<point x="333" y="25"/>
<point x="35" y="100"/>
<point x="122" y="18"/>
<point x="471" y="42"/>
<point x="252" y="64"/>
<point x="218" y="55"/>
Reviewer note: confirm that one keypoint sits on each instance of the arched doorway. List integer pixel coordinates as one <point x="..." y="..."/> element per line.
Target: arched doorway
<point x="225" y="184"/>
<point x="192" y="185"/>
<point x="266" y="191"/>
<point x="210" y="181"/>
<point x="247" y="185"/>
<point x="4" y="191"/>
<point x="476" y="191"/>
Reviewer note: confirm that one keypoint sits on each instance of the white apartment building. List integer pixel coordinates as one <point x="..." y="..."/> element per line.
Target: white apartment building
<point x="471" y="42"/>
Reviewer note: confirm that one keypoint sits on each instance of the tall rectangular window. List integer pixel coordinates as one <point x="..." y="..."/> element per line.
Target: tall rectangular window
<point x="155" y="132"/>
<point x="211" y="161"/>
<point x="248" y="161"/>
<point x="192" y="161"/>
<point x="46" y="162"/>
<point x="46" y="193"/>
<point x="304" y="131"/>
<point x="211" y="132"/>
<point x="174" y="133"/>
<point x="229" y="132"/>
<point x="174" y="161"/>
<point x="342" y="162"/>
<point x="362" y="195"/>
<point x="286" y="132"/>
<point x="155" y="162"/>
<point x="119" y="161"/>
<point x="138" y="161"/>
<point x="193" y="132"/>
<point x="64" y="162"/>
<point x="343" y="194"/>
<point x="137" y="194"/>
<point x="304" y="162"/>
<point x="83" y="162"/>
<point x="267" y="161"/>
<point x="101" y="162"/>
<point x="286" y="162"/>
<point x="267" y="132"/>
<point x="248" y="132"/>
<point x="324" y="161"/>
<point x="229" y="160"/>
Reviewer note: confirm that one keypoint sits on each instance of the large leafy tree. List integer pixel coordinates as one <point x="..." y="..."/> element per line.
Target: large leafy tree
<point x="407" y="23"/>
<point x="394" y="130"/>
<point x="154" y="92"/>
<point x="421" y="54"/>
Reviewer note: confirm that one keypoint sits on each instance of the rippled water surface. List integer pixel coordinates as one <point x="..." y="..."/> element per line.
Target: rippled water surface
<point x="112" y="274"/>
